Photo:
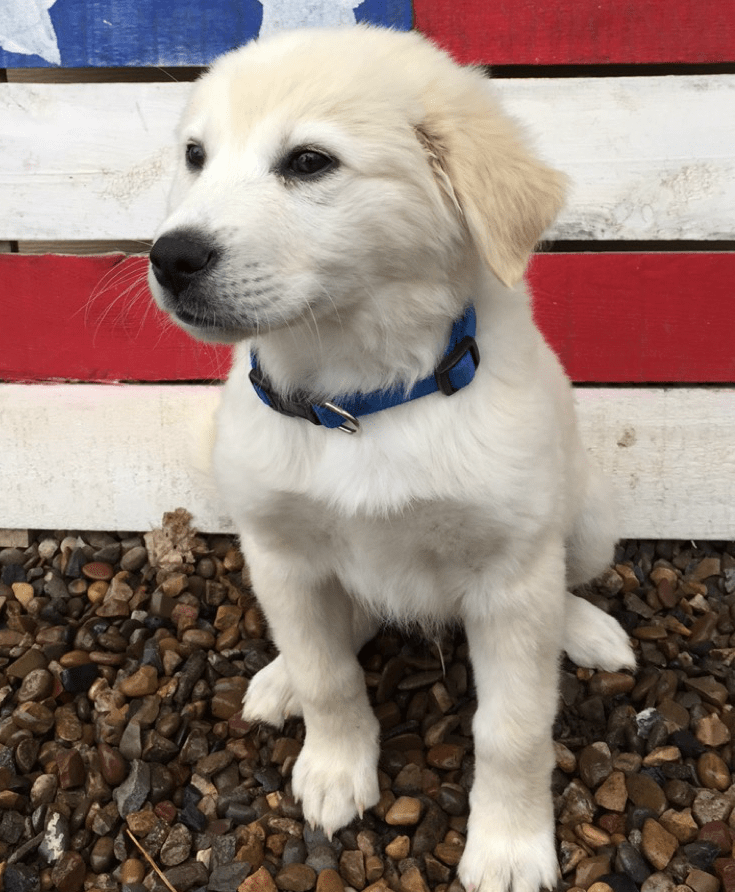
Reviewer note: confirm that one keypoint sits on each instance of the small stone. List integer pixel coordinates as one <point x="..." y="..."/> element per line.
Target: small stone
<point x="595" y="764"/>
<point x="131" y="794"/>
<point x="398" y="848"/>
<point x="34" y="717"/>
<point x="297" y="878"/>
<point x="143" y="681"/>
<point x="177" y="847"/>
<point x="102" y="854"/>
<point x="708" y="689"/>
<point x="718" y="833"/>
<point x="713" y="772"/>
<point x="413" y="881"/>
<point x="227" y="877"/>
<point x="591" y="869"/>
<point x="32" y="659"/>
<point x="37" y="685"/>
<point x="681" y="824"/>
<point x="405" y="811"/>
<point x="55" y="839"/>
<point x="98" y="570"/>
<point x="68" y="874"/>
<point x="227" y="697"/>
<point x="134" y="559"/>
<point x="260" y="881"/>
<point x="113" y="767"/>
<point x="352" y="868"/>
<point x="700" y="881"/>
<point x="658" y="844"/>
<point x="658" y="882"/>
<point x="612" y="794"/>
<point x="79" y="679"/>
<point x="72" y="772"/>
<point x="610" y="684"/>
<point x="565" y="758"/>
<point x="23" y="593"/>
<point x="330" y="881"/>
<point x="132" y="870"/>
<point x="187" y="876"/>
<point x="629" y="861"/>
<point x="710" y="805"/>
<point x="447" y="756"/>
<point x="646" y="793"/>
<point x="712" y="731"/>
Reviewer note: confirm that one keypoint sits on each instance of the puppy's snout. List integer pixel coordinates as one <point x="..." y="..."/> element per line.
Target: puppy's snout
<point x="181" y="257"/>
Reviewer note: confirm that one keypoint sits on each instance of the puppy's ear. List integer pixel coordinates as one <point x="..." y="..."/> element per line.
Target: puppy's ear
<point x="506" y="196"/>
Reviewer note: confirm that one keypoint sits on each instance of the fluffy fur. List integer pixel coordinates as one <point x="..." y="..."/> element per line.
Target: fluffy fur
<point x="481" y="506"/>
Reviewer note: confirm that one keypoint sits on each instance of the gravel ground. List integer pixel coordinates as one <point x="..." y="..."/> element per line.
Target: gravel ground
<point x="124" y="764"/>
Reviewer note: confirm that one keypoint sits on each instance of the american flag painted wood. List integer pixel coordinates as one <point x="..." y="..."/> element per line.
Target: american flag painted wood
<point x="93" y="161"/>
<point x="580" y="32"/>
<point x="612" y="318"/>
<point x="108" y="33"/>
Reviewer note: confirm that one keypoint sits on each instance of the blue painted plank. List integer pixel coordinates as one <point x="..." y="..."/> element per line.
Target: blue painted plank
<point x="108" y="33"/>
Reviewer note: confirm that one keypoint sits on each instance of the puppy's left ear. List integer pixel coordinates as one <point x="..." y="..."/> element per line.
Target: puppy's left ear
<point x="506" y="195"/>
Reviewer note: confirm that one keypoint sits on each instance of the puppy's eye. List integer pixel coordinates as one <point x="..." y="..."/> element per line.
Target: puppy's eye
<point x="308" y="163"/>
<point x="195" y="156"/>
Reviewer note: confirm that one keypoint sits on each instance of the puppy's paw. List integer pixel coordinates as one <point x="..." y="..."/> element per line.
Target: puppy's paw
<point x="336" y="782"/>
<point x="270" y="698"/>
<point x="594" y="639"/>
<point x="498" y="859"/>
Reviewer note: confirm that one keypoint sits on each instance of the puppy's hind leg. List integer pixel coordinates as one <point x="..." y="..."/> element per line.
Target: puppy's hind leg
<point x="594" y="639"/>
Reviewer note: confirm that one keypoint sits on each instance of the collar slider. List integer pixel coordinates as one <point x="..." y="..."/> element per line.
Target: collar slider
<point x="457" y="368"/>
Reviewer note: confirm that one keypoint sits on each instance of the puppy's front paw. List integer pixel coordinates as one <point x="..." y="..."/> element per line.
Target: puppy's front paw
<point x="592" y="638"/>
<point x="337" y="781"/>
<point x="270" y="697"/>
<point x="503" y="859"/>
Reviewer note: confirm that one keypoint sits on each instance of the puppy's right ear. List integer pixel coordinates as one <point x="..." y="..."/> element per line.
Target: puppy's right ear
<point x="506" y="196"/>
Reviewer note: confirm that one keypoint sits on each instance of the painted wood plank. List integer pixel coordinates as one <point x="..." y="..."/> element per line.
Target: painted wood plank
<point x="92" y="319"/>
<point x="39" y="33"/>
<point x="563" y="32"/>
<point x="105" y="457"/>
<point x="649" y="158"/>
<point x="612" y="318"/>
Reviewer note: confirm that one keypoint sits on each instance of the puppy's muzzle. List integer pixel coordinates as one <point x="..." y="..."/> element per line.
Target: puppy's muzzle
<point x="181" y="259"/>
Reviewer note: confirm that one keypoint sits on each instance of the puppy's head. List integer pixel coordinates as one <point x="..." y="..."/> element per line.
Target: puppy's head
<point x="319" y="169"/>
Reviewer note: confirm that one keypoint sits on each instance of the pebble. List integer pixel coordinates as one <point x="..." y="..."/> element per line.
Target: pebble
<point x="260" y="881"/>
<point x="406" y="810"/>
<point x="177" y="847"/>
<point x="658" y="844"/>
<point x="712" y="771"/>
<point x="296" y="878"/>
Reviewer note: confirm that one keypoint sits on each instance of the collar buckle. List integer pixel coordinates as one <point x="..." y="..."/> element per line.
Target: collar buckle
<point x="454" y="371"/>
<point x="350" y="425"/>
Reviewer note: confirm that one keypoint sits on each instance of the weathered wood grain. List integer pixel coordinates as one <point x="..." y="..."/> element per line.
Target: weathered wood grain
<point x="106" y="457"/>
<point x="649" y="158"/>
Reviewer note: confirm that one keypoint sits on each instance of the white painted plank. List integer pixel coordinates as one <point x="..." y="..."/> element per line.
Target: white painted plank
<point x="650" y="158"/>
<point x="114" y="457"/>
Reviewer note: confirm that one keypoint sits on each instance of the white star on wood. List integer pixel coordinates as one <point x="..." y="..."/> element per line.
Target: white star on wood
<point x="26" y="27"/>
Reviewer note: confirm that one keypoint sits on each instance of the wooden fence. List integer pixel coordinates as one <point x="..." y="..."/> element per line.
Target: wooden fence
<point x="634" y="291"/>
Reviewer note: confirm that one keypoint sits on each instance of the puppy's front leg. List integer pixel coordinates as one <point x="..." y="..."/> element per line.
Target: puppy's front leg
<point x="514" y="647"/>
<point x="318" y="630"/>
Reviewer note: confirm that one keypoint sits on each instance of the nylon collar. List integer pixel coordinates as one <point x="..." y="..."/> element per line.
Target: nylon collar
<point x="455" y="370"/>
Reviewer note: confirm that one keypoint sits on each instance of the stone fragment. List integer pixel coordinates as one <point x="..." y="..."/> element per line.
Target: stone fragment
<point x="713" y="772"/>
<point x="37" y="684"/>
<point x="700" y="881"/>
<point x="595" y="764"/>
<point x="56" y="838"/>
<point x="34" y="717"/>
<point x="227" y="877"/>
<point x="186" y="876"/>
<point x="612" y="794"/>
<point x="681" y="824"/>
<point x="718" y="833"/>
<point x="709" y="690"/>
<point x="658" y="882"/>
<point x="610" y="684"/>
<point x="646" y="793"/>
<point x="658" y="844"/>
<point x="712" y="731"/>
<point x="177" y="847"/>
<point x="131" y="794"/>
<point x="329" y="880"/>
<point x="297" y="878"/>
<point x="591" y="869"/>
<point x="447" y="756"/>
<point x="398" y="848"/>
<point x="413" y="881"/>
<point x="143" y="681"/>
<point x="352" y="868"/>
<point x="72" y="772"/>
<point x="710" y="805"/>
<point x="32" y="659"/>
<point x="260" y="881"/>
<point x="406" y="810"/>
<point x="68" y="874"/>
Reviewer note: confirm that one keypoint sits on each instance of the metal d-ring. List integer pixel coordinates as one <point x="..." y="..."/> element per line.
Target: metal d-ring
<point x="351" y="424"/>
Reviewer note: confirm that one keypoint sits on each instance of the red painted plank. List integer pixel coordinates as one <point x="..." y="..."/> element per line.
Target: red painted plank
<point x="92" y="319"/>
<point x="638" y="318"/>
<point x="563" y="32"/>
<point x="612" y="318"/>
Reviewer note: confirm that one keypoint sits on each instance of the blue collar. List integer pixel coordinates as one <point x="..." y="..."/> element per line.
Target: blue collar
<point x="456" y="370"/>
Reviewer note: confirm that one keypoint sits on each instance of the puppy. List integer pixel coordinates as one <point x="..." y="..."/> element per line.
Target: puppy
<point x="355" y="212"/>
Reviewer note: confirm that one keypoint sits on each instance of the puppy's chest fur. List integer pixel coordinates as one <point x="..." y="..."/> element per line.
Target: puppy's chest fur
<point x="414" y="564"/>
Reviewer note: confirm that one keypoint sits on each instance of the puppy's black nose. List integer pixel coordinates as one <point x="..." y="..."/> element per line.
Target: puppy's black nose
<point x="180" y="257"/>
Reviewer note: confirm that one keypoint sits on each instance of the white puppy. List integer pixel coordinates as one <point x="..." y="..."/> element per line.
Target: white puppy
<point x="343" y="198"/>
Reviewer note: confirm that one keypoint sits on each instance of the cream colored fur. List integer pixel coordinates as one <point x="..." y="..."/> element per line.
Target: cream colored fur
<point x="481" y="506"/>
